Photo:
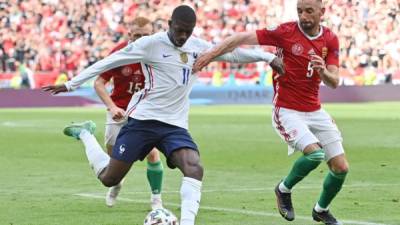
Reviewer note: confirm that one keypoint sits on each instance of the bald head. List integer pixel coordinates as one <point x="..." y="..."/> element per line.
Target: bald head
<point x="310" y="13"/>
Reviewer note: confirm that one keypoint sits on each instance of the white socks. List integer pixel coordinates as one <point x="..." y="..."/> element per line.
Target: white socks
<point x="283" y="188"/>
<point x="190" y="197"/>
<point x="320" y="209"/>
<point x="98" y="159"/>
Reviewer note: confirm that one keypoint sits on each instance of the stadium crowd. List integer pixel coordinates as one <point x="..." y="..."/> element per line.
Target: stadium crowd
<point x="66" y="36"/>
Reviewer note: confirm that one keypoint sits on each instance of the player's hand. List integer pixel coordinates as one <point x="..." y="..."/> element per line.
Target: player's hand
<point x="202" y="61"/>
<point x="118" y="114"/>
<point x="317" y="63"/>
<point x="55" y="89"/>
<point x="277" y="65"/>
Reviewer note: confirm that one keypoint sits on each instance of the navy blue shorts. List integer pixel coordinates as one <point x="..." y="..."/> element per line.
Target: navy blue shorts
<point x="138" y="137"/>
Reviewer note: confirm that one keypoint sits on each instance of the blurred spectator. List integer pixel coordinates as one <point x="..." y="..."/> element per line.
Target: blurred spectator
<point x="61" y="35"/>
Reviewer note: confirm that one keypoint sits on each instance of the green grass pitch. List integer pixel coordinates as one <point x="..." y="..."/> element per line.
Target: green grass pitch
<point x="45" y="178"/>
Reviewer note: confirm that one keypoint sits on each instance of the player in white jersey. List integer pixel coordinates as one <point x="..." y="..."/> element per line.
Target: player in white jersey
<point x="158" y="115"/>
<point x="127" y="80"/>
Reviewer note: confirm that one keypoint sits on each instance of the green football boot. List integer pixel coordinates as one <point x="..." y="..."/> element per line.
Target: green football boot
<point x="74" y="130"/>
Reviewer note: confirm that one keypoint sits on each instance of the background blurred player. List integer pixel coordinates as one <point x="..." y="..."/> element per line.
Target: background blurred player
<point x="127" y="80"/>
<point x="311" y="54"/>
<point x="159" y="113"/>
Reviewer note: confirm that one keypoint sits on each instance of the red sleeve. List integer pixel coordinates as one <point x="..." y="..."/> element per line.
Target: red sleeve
<point x="333" y="51"/>
<point x="107" y="75"/>
<point x="270" y="36"/>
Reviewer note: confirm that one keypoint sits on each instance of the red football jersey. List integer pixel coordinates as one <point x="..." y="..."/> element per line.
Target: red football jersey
<point x="127" y="79"/>
<point x="298" y="89"/>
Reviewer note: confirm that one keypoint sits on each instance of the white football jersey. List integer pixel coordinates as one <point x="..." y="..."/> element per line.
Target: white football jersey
<point x="168" y="74"/>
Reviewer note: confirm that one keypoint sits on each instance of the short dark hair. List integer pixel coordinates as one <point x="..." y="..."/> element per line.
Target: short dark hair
<point x="184" y="13"/>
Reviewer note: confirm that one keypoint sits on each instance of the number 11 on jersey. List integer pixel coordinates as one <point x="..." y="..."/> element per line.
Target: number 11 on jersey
<point x="185" y="73"/>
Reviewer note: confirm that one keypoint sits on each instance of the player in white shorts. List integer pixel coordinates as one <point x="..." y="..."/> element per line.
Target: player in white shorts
<point x="300" y="129"/>
<point x="310" y="53"/>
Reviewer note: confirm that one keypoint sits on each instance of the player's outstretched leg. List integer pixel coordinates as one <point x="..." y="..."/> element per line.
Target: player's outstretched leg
<point x="74" y="129"/>
<point x="97" y="158"/>
<point x="301" y="168"/>
<point x="188" y="161"/>
<point x="155" y="178"/>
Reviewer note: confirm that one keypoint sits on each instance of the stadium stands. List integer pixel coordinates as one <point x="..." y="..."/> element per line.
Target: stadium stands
<point x="59" y="36"/>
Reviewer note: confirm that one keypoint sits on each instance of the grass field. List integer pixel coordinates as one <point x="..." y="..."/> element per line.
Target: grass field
<point x="45" y="178"/>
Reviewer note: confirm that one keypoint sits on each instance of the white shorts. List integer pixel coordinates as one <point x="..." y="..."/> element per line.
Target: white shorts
<point x="300" y="129"/>
<point x="112" y="129"/>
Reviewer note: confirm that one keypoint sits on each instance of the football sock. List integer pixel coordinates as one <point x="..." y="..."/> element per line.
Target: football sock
<point x="303" y="166"/>
<point x="318" y="208"/>
<point x="283" y="188"/>
<point x="190" y="200"/>
<point x="155" y="176"/>
<point x="98" y="159"/>
<point x="332" y="184"/>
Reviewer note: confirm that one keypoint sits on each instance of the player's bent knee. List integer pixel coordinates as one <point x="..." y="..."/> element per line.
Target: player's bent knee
<point x="339" y="164"/>
<point x="188" y="161"/>
<point x="194" y="170"/>
<point x="109" y="181"/>
<point x="341" y="168"/>
<point x="153" y="156"/>
<point x="191" y="167"/>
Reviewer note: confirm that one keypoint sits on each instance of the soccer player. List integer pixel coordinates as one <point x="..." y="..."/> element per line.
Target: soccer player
<point x="158" y="114"/>
<point x="127" y="80"/>
<point x="310" y="53"/>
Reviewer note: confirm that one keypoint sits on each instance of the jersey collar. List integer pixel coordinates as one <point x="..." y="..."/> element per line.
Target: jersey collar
<point x="321" y="30"/>
<point x="166" y="40"/>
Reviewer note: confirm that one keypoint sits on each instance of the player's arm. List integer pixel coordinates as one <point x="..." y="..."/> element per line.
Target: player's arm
<point x="240" y="55"/>
<point x="330" y="76"/>
<point x="100" y="87"/>
<point x="119" y="58"/>
<point x="132" y="53"/>
<point x="229" y="44"/>
<point x="234" y="41"/>
<point x="125" y="56"/>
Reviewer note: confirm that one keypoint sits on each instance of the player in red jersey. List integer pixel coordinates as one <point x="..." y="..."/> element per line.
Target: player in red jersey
<point x="126" y="81"/>
<point x="310" y="53"/>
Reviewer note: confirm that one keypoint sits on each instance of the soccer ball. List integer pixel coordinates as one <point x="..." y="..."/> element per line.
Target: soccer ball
<point x="161" y="217"/>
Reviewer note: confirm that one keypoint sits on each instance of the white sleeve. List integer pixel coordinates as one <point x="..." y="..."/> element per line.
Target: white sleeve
<point x="241" y="55"/>
<point x="133" y="53"/>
